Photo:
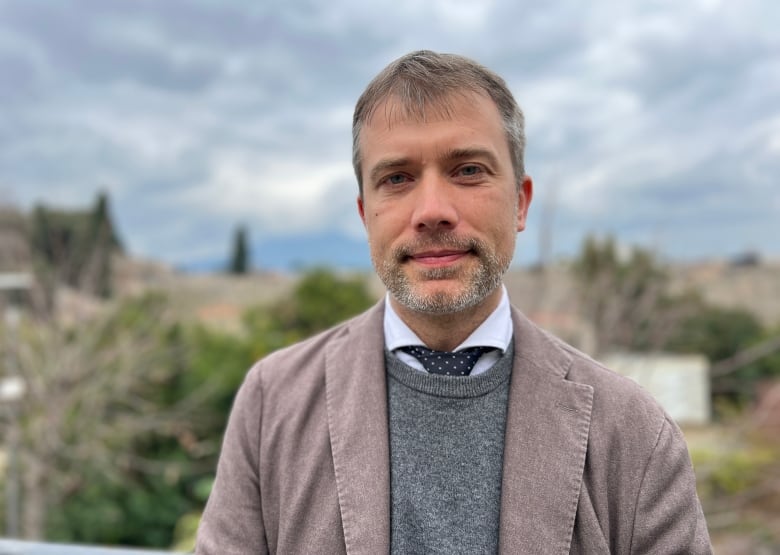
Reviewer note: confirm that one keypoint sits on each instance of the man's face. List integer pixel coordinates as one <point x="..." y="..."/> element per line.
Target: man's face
<point x="441" y="204"/>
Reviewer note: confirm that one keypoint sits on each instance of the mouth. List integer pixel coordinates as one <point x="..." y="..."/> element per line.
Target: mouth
<point x="436" y="258"/>
<point x="438" y="252"/>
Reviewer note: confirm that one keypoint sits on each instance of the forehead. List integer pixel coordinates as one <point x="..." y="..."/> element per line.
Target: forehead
<point x="464" y="122"/>
<point x="393" y="111"/>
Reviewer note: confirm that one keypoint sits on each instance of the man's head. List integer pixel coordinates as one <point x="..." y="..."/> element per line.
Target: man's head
<point x="443" y="192"/>
<point x="423" y="82"/>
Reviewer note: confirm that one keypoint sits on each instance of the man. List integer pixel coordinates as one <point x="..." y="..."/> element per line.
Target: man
<point x="358" y="441"/>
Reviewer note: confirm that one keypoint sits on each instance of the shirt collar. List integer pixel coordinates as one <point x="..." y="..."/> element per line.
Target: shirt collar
<point x="495" y="331"/>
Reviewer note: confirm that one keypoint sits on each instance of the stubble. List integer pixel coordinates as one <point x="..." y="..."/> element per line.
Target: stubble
<point x="477" y="282"/>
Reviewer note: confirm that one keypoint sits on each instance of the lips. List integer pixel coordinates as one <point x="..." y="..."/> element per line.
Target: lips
<point x="438" y="257"/>
<point x="437" y="250"/>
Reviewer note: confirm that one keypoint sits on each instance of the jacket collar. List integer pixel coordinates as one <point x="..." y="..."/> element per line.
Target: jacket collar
<point x="548" y="421"/>
<point x="356" y="397"/>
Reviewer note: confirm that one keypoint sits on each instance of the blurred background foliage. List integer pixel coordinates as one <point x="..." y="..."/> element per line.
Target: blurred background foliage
<point x="130" y="461"/>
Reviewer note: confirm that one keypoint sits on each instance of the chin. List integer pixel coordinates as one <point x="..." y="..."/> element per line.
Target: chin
<point x="439" y="300"/>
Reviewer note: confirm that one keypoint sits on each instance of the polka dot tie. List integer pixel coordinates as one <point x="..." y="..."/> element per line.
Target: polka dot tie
<point x="458" y="363"/>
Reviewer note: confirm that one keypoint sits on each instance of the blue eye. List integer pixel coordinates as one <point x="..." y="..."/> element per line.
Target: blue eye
<point x="470" y="170"/>
<point x="396" y="179"/>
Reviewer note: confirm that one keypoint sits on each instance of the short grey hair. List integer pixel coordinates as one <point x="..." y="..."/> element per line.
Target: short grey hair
<point x="424" y="79"/>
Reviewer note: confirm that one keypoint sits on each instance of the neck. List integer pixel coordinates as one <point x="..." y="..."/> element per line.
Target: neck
<point x="444" y="332"/>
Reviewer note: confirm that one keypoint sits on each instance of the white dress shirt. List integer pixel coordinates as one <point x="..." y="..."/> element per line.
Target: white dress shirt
<point x="495" y="331"/>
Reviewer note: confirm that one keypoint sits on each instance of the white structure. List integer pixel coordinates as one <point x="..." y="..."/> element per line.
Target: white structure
<point x="681" y="383"/>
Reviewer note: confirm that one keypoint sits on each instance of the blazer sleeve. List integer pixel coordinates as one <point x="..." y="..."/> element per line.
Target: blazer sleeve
<point x="669" y="518"/>
<point x="232" y="521"/>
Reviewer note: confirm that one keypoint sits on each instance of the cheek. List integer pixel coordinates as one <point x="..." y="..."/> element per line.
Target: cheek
<point x="385" y="221"/>
<point x="376" y="229"/>
<point x="504" y="228"/>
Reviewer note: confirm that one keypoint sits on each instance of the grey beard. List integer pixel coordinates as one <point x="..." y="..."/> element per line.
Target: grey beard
<point x="478" y="283"/>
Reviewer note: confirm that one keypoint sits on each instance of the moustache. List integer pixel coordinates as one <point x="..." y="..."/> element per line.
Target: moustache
<point x="438" y="241"/>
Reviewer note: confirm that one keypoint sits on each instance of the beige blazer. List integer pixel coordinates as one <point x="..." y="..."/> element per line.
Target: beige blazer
<point x="591" y="463"/>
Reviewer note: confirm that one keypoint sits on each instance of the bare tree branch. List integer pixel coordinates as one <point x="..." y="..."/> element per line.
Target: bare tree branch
<point x="745" y="357"/>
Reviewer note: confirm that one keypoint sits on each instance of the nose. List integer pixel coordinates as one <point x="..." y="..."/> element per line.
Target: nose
<point x="435" y="207"/>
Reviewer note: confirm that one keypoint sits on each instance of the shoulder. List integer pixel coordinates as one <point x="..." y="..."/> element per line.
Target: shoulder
<point x="638" y="483"/>
<point x="621" y="407"/>
<point x="302" y="365"/>
<point x="617" y="400"/>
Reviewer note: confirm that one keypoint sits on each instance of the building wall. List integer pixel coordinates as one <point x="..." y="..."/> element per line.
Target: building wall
<point x="679" y="382"/>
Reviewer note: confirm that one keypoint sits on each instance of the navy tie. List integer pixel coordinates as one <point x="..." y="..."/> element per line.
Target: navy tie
<point x="458" y="363"/>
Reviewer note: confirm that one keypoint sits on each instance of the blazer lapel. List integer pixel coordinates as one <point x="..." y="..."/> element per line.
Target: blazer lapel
<point x="356" y="396"/>
<point x="548" y="421"/>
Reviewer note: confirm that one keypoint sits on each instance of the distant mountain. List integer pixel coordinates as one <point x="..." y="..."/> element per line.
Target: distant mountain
<point x="295" y="252"/>
<point x="333" y="249"/>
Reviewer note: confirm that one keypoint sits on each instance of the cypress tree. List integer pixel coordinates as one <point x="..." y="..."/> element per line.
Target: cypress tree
<point x="239" y="257"/>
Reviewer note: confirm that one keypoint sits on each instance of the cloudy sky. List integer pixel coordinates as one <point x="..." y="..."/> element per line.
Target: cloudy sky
<point x="658" y="121"/>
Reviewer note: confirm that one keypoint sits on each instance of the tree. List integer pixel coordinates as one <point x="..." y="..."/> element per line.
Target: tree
<point x="101" y="413"/>
<point x="741" y="352"/>
<point x="123" y="424"/>
<point x="718" y="333"/>
<point x="100" y="243"/>
<point x="75" y="247"/>
<point x="320" y="299"/>
<point x="623" y="296"/>
<point x="239" y="257"/>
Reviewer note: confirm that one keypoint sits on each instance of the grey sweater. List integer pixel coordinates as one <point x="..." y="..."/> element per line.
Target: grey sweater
<point x="446" y="454"/>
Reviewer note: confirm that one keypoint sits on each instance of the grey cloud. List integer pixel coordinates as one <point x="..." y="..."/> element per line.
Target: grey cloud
<point x="660" y="109"/>
<point x="70" y="43"/>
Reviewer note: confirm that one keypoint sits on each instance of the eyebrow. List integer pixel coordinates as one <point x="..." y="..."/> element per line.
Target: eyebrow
<point x="387" y="164"/>
<point x="450" y="155"/>
<point x="471" y="152"/>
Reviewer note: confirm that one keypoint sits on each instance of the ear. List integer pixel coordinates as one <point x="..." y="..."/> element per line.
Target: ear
<point x="524" y="196"/>
<point x="361" y="209"/>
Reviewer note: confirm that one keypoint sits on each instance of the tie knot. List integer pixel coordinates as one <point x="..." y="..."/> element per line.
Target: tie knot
<point x="459" y="363"/>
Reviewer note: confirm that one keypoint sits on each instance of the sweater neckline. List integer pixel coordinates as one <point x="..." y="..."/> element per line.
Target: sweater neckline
<point x="451" y="386"/>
